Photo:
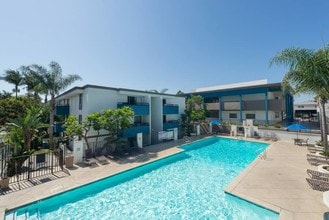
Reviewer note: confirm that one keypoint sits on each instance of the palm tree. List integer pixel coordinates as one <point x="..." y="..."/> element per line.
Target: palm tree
<point x="13" y="77"/>
<point x="30" y="79"/>
<point x="308" y="73"/>
<point x="53" y="82"/>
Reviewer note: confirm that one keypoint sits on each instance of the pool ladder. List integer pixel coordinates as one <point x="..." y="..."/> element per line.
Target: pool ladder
<point x="187" y="139"/>
<point x="263" y="155"/>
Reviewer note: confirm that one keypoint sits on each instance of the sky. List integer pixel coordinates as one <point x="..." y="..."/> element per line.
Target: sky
<point x="159" y="44"/>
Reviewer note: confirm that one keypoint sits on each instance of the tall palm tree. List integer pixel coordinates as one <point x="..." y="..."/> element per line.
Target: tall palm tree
<point x="308" y="73"/>
<point x="13" y="77"/>
<point x="53" y="82"/>
<point x="30" y="79"/>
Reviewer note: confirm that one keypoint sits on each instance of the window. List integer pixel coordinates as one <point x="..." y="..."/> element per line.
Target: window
<point x="80" y="101"/>
<point x="137" y="119"/>
<point x="250" y="116"/>
<point x="277" y="114"/>
<point x="80" y="119"/>
<point x="164" y="119"/>
<point x="213" y="114"/>
<point x="131" y="100"/>
<point x="233" y="115"/>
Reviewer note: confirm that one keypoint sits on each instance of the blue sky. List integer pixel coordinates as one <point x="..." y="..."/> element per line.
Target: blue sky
<point x="159" y="44"/>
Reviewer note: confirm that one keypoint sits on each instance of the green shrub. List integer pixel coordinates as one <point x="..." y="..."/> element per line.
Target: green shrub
<point x="277" y="126"/>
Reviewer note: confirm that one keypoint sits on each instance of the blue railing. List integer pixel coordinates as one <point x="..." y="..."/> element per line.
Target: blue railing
<point x="139" y="109"/>
<point x="58" y="127"/>
<point x="135" y="129"/>
<point x="170" y="109"/>
<point x="170" y="125"/>
<point x="62" y="110"/>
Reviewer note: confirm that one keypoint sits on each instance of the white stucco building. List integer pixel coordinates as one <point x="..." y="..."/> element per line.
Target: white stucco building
<point x="154" y="112"/>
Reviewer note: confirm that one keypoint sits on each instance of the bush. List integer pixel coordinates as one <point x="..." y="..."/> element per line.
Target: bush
<point x="277" y="126"/>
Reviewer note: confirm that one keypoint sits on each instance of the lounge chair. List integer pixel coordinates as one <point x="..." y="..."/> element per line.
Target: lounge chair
<point x="102" y="159"/>
<point x="318" y="175"/>
<point x="314" y="149"/>
<point x="89" y="160"/>
<point x="317" y="160"/>
<point x="319" y="185"/>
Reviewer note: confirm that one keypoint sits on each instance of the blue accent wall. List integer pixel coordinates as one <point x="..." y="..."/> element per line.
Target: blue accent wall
<point x="170" y="109"/>
<point x="139" y="109"/>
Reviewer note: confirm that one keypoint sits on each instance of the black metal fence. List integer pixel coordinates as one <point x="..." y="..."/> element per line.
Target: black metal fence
<point x="28" y="167"/>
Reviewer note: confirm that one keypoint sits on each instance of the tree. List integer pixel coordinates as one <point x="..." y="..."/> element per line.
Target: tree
<point x="53" y="82"/>
<point x="72" y="127"/>
<point x="116" y="120"/>
<point x="27" y="125"/>
<point x="11" y="108"/>
<point x="5" y="95"/>
<point x="23" y="130"/>
<point x="31" y="80"/>
<point x="13" y="77"/>
<point x="308" y="73"/>
<point x="196" y="111"/>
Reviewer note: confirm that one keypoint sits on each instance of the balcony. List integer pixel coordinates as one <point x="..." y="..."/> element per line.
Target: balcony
<point x="169" y="109"/>
<point x="135" y="129"/>
<point x="139" y="109"/>
<point x="170" y="124"/>
<point x="212" y="106"/>
<point x="58" y="127"/>
<point x="62" y="110"/>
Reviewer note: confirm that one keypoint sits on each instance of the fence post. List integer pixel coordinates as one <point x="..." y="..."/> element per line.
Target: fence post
<point x="29" y="170"/>
<point x="52" y="162"/>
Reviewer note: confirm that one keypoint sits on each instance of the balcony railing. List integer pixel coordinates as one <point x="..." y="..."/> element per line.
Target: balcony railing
<point x="170" y="109"/>
<point x="135" y="129"/>
<point x="138" y="108"/>
<point x="170" y="125"/>
<point x="58" y="127"/>
<point x="62" y="110"/>
<point x="212" y="106"/>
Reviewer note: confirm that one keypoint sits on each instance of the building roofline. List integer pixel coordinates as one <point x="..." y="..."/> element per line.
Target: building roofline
<point x="112" y="88"/>
<point x="269" y="85"/>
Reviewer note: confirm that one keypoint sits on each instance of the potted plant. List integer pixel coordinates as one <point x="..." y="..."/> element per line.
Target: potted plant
<point x="69" y="158"/>
<point x="4" y="182"/>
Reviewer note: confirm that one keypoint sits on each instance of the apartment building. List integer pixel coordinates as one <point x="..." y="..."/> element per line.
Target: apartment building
<point x="154" y="112"/>
<point x="265" y="103"/>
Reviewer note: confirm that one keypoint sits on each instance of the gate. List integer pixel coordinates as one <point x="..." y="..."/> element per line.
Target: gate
<point x="28" y="167"/>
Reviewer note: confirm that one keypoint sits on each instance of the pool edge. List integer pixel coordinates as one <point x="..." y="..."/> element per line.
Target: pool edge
<point x="232" y="185"/>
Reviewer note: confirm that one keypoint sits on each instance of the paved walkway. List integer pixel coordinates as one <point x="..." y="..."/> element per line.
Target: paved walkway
<point x="276" y="181"/>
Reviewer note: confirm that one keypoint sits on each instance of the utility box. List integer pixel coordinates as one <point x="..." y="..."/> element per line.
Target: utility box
<point x="77" y="151"/>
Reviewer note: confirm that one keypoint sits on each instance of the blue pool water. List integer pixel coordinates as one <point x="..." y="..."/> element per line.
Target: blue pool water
<point x="189" y="185"/>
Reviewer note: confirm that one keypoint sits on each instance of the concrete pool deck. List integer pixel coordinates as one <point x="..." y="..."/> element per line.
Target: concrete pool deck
<point x="275" y="181"/>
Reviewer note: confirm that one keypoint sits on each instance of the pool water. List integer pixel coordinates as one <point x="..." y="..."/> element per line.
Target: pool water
<point x="188" y="185"/>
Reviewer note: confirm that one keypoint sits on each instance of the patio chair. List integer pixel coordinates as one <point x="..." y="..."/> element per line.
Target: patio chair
<point x="101" y="158"/>
<point x="318" y="175"/>
<point x="319" y="185"/>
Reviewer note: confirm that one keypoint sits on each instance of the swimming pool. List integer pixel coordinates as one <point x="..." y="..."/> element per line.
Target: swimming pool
<point x="188" y="185"/>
